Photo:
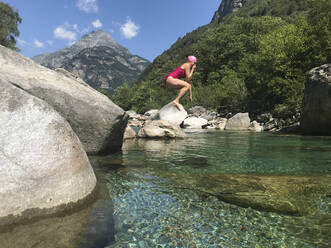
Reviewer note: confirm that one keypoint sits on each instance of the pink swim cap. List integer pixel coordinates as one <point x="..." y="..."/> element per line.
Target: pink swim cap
<point x="192" y="59"/>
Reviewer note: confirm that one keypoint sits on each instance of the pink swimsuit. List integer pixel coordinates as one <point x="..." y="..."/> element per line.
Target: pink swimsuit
<point x="178" y="73"/>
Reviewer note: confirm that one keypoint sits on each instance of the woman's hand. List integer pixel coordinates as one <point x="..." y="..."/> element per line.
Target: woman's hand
<point x="193" y="67"/>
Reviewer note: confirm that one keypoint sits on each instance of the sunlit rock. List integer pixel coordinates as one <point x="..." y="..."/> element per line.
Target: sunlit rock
<point x="255" y="126"/>
<point x="160" y="129"/>
<point x="240" y="121"/>
<point x="96" y="120"/>
<point x="43" y="165"/>
<point x="194" y="122"/>
<point x="170" y="113"/>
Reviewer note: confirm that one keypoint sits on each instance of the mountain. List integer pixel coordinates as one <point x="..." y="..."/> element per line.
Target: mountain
<point x="226" y="7"/>
<point x="98" y="60"/>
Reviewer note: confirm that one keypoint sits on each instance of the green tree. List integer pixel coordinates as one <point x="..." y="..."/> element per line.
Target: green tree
<point x="275" y="75"/>
<point x="123" y="96"/>
<point x="9" y="20"/>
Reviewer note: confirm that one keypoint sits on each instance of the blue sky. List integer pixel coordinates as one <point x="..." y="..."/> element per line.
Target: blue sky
<point x="146" y="27"/>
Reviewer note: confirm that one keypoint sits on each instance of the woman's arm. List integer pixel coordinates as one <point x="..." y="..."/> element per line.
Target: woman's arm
<point x="189" y="73"/>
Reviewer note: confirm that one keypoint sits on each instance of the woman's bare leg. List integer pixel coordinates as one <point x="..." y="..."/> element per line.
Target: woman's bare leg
<point x="175" y="83"/>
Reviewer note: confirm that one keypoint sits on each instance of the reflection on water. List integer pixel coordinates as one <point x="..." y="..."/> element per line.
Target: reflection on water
<point x="166" y="194"/>
<point x="233" y="152"/>
<point x="86" y="227"/>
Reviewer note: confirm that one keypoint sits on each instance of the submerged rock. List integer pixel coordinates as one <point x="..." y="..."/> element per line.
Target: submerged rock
<point x="100" y="228"/>
<point x="96" y="120"/>
<point x="43" y="164"/>
<point x="288" y="194"/>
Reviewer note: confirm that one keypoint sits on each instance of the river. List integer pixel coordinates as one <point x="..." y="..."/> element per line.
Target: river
<point x="175" y="193"/>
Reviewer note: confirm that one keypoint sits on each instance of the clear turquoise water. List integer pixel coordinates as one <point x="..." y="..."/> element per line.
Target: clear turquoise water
<point x="157" y="194"/>
<point x="151" y="210"/>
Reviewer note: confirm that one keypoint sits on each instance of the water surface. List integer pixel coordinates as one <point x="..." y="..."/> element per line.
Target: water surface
<point x="164" y="194"/>
<point x="151" y="209"/>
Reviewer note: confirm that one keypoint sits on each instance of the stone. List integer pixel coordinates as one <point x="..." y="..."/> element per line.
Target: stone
<point x="129" y="133"/>
<point x="209" y="115"/>
<point x="43" y="166"/>
<point x="240" y="121"/>
<point x="161" y="129"/>
<point x="316" y="109"/>
<point x="221" y="124"/>
<point x="292" y="129"/>
<point x="152" y="114"/>
<point x="170" y="113"/>
<point x="255" y="126"/>
<point x="96" y="120"/>
<point x="194" y="122"/>
<point x="264" y="118"/>
<point x="196" y="110"/>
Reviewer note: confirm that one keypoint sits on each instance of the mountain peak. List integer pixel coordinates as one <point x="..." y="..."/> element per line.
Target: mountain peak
<point x="97" y="38"/>
<point x="227" y="7"/>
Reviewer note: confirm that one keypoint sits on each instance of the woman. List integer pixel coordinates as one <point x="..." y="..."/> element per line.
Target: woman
<point x="173" y="80"/>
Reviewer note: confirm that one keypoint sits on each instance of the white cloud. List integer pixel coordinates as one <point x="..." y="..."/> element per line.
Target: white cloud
<point x="97" y="23"/>
<point x="50" y="42"/>
<point x="21" y="42"/>
<point x="88" y="6"/>
<point x="38" y="44"/>
<point x="64" y="34"/>
<point x="129" y="29"/>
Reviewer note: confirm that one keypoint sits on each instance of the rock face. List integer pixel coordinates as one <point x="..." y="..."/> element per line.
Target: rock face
<point x="98" y="60"/>
<point x="227" y="7"/>
<point x="97" y="121"/>
<point x="316" y="109"/>
<point x="161" y="129"/>
<point x="240" y="121"/>
<point x="170" y="113"/>
<point x="43" y="164"/>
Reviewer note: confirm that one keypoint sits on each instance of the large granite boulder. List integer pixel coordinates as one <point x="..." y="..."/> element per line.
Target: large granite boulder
<point x="96" y="120"/>
<point x="43" y="166"/>
<point x="240" y="121"/>
<point x="170" y="113"/>
<point x="316" y="109"/>
<point x="161" y="129"/>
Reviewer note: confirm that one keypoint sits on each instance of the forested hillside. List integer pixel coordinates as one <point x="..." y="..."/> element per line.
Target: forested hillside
<point x="255" y="60"/>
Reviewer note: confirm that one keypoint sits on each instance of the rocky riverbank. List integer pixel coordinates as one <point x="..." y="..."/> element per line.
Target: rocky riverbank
<point x="200" y="118"/>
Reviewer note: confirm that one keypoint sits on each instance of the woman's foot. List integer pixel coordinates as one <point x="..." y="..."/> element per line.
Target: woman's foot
<point x="176" y="104"/>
